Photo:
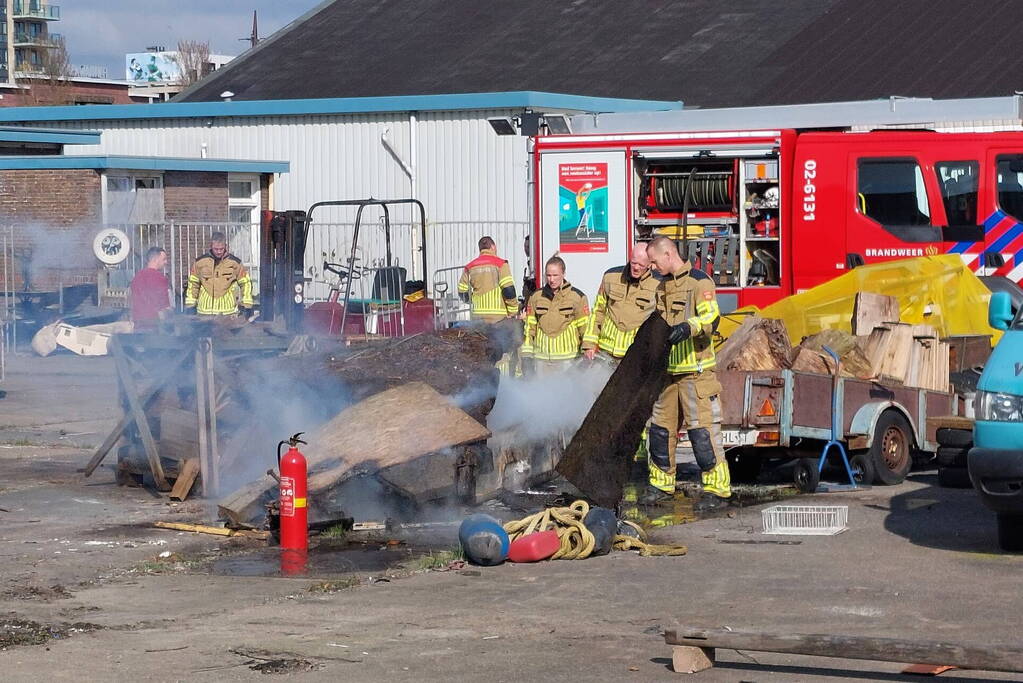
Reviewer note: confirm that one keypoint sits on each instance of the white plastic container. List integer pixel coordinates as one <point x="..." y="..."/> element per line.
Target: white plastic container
<point x="805" y="520"/>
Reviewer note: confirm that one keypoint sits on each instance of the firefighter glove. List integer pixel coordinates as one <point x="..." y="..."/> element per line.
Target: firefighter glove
<point x="680" y="332"/>
<point x="244" y="312"/>
<point x="189" y="310"/>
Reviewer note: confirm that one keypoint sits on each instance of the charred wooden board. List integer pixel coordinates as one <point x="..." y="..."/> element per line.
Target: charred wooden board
<point x="387" y="430"/>
<point x="597" y="459"/>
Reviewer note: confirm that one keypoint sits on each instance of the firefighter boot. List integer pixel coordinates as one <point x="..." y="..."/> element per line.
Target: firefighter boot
<point x="708" y="502"/>
<point x="654" y="496"/>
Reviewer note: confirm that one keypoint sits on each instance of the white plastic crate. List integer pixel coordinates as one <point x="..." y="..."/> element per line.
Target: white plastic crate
<point x="806" y="520"/>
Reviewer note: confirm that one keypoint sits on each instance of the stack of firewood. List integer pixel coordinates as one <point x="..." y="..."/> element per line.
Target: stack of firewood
<point x="880" y="347"/>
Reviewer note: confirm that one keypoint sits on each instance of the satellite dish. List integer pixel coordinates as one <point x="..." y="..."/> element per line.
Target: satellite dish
<point x="111" y="246"/>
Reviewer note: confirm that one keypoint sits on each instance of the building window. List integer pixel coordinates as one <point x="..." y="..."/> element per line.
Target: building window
<point x="133" y="198"/>
<point x="892" y="192"/>
<point x="243" y="198"/>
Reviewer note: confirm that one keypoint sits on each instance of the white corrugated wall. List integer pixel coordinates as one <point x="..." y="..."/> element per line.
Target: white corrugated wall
<point x="471" y="181"/>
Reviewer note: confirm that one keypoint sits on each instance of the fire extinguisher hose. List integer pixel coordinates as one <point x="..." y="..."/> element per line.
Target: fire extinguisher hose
<point x="577" y="542"/>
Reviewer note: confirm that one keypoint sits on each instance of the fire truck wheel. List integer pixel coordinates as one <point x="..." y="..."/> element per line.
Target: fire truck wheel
<point x="891" y="452"/>
<point x="806" y="475"/>
<point x="744" y="467"/>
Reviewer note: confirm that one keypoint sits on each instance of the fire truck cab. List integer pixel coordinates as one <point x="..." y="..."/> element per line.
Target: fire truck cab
<point x="770" y="212"/>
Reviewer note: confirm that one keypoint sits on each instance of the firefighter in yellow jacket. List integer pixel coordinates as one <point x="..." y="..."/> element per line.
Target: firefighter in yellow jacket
<point x="487" y="285"/>
<point x="218" y="284"/>
<point x="625" y="299"/>
<point x="691" y="398"/>
<point x="556" y="319"/>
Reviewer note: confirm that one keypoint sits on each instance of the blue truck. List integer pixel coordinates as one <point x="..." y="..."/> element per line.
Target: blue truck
<point x="995" y="461"/>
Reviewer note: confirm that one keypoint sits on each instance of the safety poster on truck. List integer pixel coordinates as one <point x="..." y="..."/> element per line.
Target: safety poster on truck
<point x="582" y="190"/>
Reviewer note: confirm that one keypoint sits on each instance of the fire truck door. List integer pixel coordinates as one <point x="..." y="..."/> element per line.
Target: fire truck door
<point x="1003" y="248"/>
<point x="894" y="204"/>
<point x="584" y="214"/>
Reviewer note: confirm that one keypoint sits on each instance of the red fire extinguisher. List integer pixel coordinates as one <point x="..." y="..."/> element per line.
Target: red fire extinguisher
<point x="294" y="513"/>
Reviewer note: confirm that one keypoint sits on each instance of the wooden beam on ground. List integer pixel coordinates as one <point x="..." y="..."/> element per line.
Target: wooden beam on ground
<point x="981" y="658"/>
<point x="195" y="528"/>
<point x="131" y="390"/>
<point x="187" y="473"/>
<point x="128" y="417"/>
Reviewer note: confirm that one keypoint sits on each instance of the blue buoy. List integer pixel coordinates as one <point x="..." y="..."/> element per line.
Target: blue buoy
<point x="603" y="524"/>
<point x="484" y="541"/>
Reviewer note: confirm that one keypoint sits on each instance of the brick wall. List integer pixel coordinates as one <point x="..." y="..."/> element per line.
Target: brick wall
<point x="193" y="196"/>
<point x="55" y="214"/>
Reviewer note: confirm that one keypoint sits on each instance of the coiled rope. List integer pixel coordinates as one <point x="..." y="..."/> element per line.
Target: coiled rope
<point x="577" y="542"/>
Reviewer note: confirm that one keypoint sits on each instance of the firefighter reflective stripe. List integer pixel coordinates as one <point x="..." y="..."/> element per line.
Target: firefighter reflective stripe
<point x="563" y="346"/>
<point x="487" y="303"/>
<point x="707" y="312"/>
<point x="484" y="279"/>
<point x="659" y="479"/>
<point x="591" y="336"/>
<point x="718" y="480"/>
<point x="215" y="286"/>
<point x="683" y="358"/>
<point x="603" y="333"/>
<point x="245" y="283"/>
<point x="206" y="304"/>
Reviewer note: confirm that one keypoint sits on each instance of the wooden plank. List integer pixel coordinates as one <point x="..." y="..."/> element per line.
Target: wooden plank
<point x="419" y="422"/>
<point x="877" y="348"/>
<point x="195" y="528"/>
<point x="895" y="365"/>
<point x="127" y="418"/>
<point x="187" y="473"/>
<point x="873" y="310"/>
<point x="131" y="391"/>
<point x="201" y="414"/>
<point x="211" y="416"/>
<point x="981" y="658"/>
<point x="949" y="422"/>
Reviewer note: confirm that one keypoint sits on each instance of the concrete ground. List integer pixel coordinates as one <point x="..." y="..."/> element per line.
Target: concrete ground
<point x="84" y="578"/>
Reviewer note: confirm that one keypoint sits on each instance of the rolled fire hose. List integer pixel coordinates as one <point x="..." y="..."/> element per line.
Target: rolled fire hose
<point x="577" y="542"/>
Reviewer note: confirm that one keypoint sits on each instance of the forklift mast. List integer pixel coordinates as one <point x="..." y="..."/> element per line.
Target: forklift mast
<point x="282" y="267"/>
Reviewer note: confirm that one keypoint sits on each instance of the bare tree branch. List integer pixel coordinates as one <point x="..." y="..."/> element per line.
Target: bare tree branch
<point x="52" y="83"/>
<point x="194" y="60"/>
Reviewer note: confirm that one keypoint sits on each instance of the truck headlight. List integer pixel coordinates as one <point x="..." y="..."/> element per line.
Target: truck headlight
<point x="997" y="407"/>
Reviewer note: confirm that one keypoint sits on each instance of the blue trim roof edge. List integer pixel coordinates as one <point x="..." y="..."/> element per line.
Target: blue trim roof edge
<point x="343" y="105"/>
<point x="141" y="163"/>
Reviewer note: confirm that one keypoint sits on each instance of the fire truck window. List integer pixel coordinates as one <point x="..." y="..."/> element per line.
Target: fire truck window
<point x="892" y="192"/>
<point x="958" y="182"/>
<point x="1010" y="185"/>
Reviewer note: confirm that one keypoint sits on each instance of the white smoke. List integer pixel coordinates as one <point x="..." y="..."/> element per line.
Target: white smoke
<point x="531" y="409"/>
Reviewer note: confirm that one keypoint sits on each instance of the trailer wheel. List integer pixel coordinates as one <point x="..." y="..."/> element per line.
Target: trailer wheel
<point x="862" y="468"/>
<point x="806" y="475"/>
<point x="891" y="452"/>
<point x="743" y="467"/>
<point x="1010" y="533"/>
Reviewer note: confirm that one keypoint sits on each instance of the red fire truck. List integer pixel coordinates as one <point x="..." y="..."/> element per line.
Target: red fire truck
<point x="770" y="212"/>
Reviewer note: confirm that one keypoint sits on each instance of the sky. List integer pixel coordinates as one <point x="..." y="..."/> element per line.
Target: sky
<point x="101" y="32"/>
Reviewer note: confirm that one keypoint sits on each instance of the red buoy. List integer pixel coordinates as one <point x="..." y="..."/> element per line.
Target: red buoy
<point x="534" y="547"/>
